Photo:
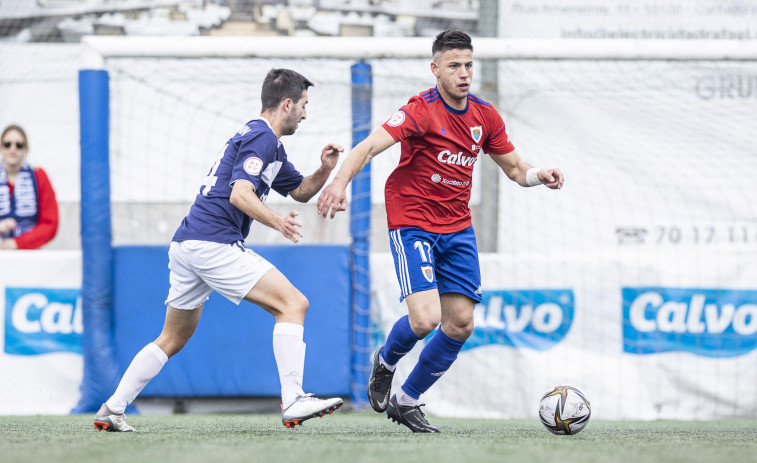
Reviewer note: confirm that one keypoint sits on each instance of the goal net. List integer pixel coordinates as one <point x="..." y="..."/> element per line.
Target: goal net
<point x="635" y="282"/>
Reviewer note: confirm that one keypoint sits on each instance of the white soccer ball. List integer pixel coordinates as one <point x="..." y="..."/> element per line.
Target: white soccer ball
<point x="564" y="410"/>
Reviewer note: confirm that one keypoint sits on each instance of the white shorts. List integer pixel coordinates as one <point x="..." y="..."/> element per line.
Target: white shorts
<point x="200" y="267"/>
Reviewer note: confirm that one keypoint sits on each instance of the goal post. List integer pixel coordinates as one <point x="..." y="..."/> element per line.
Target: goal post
<point x="648" y="231"/>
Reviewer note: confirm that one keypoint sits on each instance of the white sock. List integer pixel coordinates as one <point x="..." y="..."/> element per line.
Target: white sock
<point x="405" y="400"/>
<point x="289" y="350"/>
<point x="386" y="365"/>
<point x="146" y="364"/>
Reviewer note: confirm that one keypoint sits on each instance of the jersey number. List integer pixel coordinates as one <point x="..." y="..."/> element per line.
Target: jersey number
<point x="419" y="246"/>
<point x="210" y="180"/>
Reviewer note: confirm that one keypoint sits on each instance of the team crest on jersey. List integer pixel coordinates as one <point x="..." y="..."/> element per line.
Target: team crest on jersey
<point x="253" y="165"/>
<point x="396" y="120"/>
<point x="476" y="133"/>
<point x="428" y="273"/>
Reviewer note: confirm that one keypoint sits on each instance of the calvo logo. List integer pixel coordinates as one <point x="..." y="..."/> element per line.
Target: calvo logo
<point x="707" y="322"/>
<point x="42" y="320"/>
<point x="534" y="319"/>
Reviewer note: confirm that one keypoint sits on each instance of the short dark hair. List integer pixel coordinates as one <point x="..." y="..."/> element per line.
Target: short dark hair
<point x="451" y="40"/>
<point x="280" y="84"/>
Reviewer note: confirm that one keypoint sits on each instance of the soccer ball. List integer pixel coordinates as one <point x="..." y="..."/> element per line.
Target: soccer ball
<point x="564" y="410"/>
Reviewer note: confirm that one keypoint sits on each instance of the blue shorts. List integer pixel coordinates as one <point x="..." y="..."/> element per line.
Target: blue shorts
<point x="445" y="261"/>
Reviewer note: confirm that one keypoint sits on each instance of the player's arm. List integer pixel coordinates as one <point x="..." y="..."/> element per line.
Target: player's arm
<point x="312" y="184"/>
<point x="334" y="196"/>
<point x="524" y="174"/>
<point x="243" y="197"/>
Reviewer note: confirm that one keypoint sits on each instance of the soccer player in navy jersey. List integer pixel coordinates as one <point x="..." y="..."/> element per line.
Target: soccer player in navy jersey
<point x="208" y="254"/>
<point x="442" y="132"/>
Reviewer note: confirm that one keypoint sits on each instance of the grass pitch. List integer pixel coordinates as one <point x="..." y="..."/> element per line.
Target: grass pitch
<point x="351" y="437"/>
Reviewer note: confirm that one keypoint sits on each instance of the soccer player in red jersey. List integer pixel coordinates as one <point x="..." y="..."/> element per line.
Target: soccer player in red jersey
<point x="442" y="132"/>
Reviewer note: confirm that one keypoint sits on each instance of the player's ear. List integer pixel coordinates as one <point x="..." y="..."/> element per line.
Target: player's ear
<point x="435" y="68"/>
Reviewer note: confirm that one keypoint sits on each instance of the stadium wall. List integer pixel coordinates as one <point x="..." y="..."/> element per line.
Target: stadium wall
<point x="626" y="334"/>
<point x="640" y="341"/>
<point x="229" y="355"/>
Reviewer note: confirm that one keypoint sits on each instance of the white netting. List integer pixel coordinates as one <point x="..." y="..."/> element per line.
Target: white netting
<point x="658" y="157"/>
<point x="171" y="116"/>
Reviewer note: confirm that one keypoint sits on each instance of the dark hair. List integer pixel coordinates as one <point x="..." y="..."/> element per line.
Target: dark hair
<point x="281" y="84"/>
<point x="451" y="40"/>
<point x="17" y="129"/>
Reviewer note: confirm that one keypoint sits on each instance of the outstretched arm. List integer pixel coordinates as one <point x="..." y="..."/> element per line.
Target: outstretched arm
<point x="312" y="184"/>
<point x="523" y="173"/>
<point x="334" y="196"/>
<point x="243" y="197"/>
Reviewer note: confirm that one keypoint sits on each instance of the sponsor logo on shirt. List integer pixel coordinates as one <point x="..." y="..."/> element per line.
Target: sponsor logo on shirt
<point x="706" y="322"/>
<point x="447" y="157"/>
<point x="253" y="165"/>
<point x="443" y="132"/>
<point x="476" y="133"/>
<point x="436" y="178"/>
<point x="396" y="120"/>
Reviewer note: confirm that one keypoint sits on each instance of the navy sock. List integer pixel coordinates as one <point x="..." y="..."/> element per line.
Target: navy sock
<point x="435" y="360"/>
<point x="399" y="342"/>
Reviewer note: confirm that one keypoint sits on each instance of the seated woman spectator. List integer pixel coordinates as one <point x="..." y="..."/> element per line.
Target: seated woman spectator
<point x="28" y="209"/>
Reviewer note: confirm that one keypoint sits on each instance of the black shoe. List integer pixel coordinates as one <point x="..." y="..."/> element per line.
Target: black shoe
<point x="380" y="384"/>
<point x="412" y="417"/>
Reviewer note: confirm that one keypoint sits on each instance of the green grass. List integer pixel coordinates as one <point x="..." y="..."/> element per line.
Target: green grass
<point x="368" y="437"/>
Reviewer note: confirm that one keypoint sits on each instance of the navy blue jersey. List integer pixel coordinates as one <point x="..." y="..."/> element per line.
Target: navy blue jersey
<point x="253" y="154"/>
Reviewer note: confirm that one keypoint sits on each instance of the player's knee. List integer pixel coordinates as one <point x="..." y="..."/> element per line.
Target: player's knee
<point x="172" y="344"/>
<point x="297" y="306"/>
<point x="460" y="330"/>
<point x="423" y="325"/>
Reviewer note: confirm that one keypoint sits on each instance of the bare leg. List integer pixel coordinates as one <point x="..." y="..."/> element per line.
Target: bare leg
<point x="177" y="329"/>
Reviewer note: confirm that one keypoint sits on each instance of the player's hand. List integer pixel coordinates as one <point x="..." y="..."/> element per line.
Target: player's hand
<point x="289" y="227"/>
<point x="551" y="178"/>
<point x="7" y="225"/>
<point x="333" y="198"/>
<point x="330" y="155"/>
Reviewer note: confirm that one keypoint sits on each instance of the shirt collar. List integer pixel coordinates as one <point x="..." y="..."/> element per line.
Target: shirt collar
<point x="268" y="123"/>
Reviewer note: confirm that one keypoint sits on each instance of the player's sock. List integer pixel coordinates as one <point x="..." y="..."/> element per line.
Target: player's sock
<point x="405" y="400"/>
<point x="289" y="350"/>
<point x="146" y="364"/>
<point x="386" y="365"/>
<point x="434" y="361"/>
<point x="400" y="341"/>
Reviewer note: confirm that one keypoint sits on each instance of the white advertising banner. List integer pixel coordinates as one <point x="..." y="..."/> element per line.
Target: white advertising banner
<point x="626" y="19"/>
<point x="638" y="344"/>
<point x="41" y="360"/>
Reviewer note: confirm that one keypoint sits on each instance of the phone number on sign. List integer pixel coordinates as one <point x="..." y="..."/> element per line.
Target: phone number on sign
<point x="698" y="235"/>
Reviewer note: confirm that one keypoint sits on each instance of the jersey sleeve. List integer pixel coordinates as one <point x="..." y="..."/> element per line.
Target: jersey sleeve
<point x="499" y="142"/>
<point x="409" y="121"/>
<point x="288" y="178"/>
<point x="254" y="155"/>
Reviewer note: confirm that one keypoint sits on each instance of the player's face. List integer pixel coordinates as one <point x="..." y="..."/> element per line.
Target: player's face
<point x="295" y="115"/>
<point x="454" y="71"/>
<point x="13" y="147"/>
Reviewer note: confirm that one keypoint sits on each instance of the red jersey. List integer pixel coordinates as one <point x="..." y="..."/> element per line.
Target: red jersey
<point x="430" y="187"/>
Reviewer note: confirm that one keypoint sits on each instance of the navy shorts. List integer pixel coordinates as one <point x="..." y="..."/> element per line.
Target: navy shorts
<point x="445" y="261"/>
